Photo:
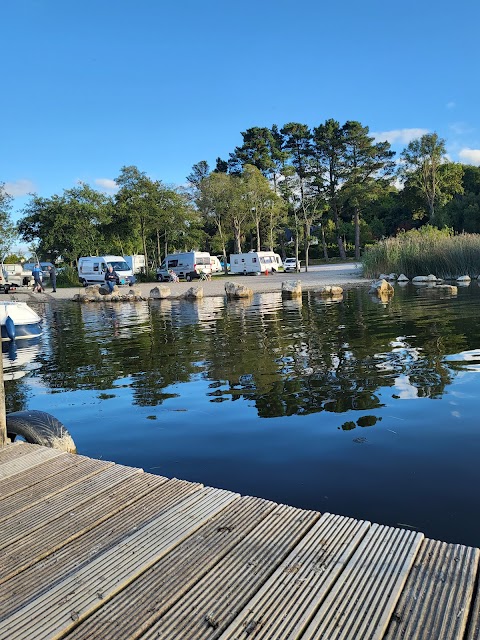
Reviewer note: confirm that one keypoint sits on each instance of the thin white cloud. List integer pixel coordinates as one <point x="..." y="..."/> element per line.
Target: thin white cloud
<point x="471" y="156"/>
<point x="106" y="183"/>
<point x="450" y="105"/>
<point x="19" y="188"/>
<point x="461" y="128"/>
<point x="403" y="136"/>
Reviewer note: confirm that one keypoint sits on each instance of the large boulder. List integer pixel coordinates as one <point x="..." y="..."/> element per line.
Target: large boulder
<point x="159" y="293"/>
<point x="382" y="289"/>
<point x="330" y="290"/>
<point x="194" y="293"/>
<point x="234" y="291"/>
<point x="445" y="288"/>
<point x="463" y="279"/>
<point x="291" y="289"/>
<point x="402" y="278"/>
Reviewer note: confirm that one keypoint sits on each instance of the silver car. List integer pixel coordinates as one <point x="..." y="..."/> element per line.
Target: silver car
<point x="290" y="264"/>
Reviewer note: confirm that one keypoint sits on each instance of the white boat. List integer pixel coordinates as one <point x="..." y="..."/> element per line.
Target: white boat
<point x="18" y="321"/>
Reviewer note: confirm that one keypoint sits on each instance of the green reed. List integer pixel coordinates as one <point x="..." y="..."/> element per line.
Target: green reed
<point x="423" y="251"/>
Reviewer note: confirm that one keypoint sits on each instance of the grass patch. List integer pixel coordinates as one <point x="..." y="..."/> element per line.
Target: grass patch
<point x="423" y="251"/>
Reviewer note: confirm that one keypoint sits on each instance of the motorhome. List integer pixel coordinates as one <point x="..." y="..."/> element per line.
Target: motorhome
<point x="255" y="262"/>
<point x="92" y="269"/>
<point x="188" y="265"/>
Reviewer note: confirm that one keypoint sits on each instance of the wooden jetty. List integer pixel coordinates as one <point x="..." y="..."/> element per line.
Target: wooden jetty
<point x="94" y="550"/>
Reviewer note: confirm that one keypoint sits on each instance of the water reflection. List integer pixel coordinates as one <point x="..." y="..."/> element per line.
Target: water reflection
<point x="272" y="397"/>
<point x="19" y="357"/>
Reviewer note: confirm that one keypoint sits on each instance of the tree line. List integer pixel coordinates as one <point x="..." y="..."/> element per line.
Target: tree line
<point x="295" y="189"/>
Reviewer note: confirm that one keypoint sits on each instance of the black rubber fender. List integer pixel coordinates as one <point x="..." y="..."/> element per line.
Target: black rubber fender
<point x="39" y="427"/>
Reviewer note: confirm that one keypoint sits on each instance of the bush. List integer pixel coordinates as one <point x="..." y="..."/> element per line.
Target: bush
<point x="68" y="277"/>
<point x="424" y="251"/>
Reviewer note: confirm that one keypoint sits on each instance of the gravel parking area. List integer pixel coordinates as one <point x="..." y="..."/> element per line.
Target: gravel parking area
<point x="344" y="275"/>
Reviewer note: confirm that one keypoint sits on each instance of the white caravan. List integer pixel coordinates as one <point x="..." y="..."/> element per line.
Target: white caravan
<point x="255" y="262"/>
<point x="92" y="269"/>
<point x="136" y="262"/>
<point x="188" y="265"/>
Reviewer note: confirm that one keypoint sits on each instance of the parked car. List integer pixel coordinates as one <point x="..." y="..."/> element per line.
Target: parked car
<point x="290" y="264"/>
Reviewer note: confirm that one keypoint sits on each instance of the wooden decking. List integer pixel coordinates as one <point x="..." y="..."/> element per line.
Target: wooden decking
<point x="93" y="550"/>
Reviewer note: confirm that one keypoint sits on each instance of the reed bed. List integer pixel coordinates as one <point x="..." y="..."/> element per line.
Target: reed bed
<point x="423" y="251"/>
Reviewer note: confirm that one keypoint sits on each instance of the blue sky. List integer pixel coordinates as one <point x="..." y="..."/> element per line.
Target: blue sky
<point x="90" y="86"/>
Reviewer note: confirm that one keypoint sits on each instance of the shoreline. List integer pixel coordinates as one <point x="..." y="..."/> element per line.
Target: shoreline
<point x="345" y="275"/>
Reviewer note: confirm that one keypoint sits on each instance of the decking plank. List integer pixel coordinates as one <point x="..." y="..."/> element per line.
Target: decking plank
<point x="58" y="610"/>
<point x="473" y="632"/>
<point x="24" y="461"/>
<point x="16" y="450"/>
<point x="363" y="598"/>
<point x="74" y="472"/>
<point x="99" y="527"/>
<point x="434" y="602"/>
<point x="39" y="515"/>
<point x="149" y="597"/>
<point x="33" y="476"/>
<point x="209" y="607"/>
<point x="284" y="606"/>
<point x="42" y="542"/>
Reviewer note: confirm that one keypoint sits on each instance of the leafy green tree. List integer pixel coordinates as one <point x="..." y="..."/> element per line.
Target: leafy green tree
<point x="67" y="225"/>
<point x="306" y="202"/>
<point x="329" y="150"/>
<point x="265" y="206"/>
<point x="426" y="168"/>
<point x="366" y="169"/>
<point x="7" y="228"/>
<point x="462" y="213"/>
<point x="215" y="199"/>
<point x="200" y="170"/>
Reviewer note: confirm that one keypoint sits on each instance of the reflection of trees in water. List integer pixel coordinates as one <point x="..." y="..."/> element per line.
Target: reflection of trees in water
<point x="286" y="358"/>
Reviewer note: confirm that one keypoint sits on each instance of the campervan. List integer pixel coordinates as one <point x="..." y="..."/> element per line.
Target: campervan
<point x="189" y="265"/>
<point x="255" y="262"/>
<point x="92" y="269"/>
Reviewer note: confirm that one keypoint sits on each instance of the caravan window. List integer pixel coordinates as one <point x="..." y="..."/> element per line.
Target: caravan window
<point x="172" y="263"/>
<point x="203" y="260"/>
<point x="96" y="266"/>
<point x="267" y="259"/>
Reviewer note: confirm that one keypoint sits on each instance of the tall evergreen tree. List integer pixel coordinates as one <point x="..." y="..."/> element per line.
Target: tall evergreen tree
<point x="365" y="164"/>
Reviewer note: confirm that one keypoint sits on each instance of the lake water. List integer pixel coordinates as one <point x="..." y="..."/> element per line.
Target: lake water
<point x="353" y="407"/>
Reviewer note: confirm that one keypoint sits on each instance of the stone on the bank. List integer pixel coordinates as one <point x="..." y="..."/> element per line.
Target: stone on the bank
<point x="104" y="290"/>
<point x="431" y="278"/>
<point x="159" y="293"/>
<point x="331" y="290"/>
<point x="233" y="291"/>
<point x="389" y="276"/>
<point x="463" y="279"/>
<point x="291" y="289"/>
<point x="402" y="278"/>
<point x="194" y="293"/>
<point x="447" y="288"/>
<point x="382" y="289"/>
